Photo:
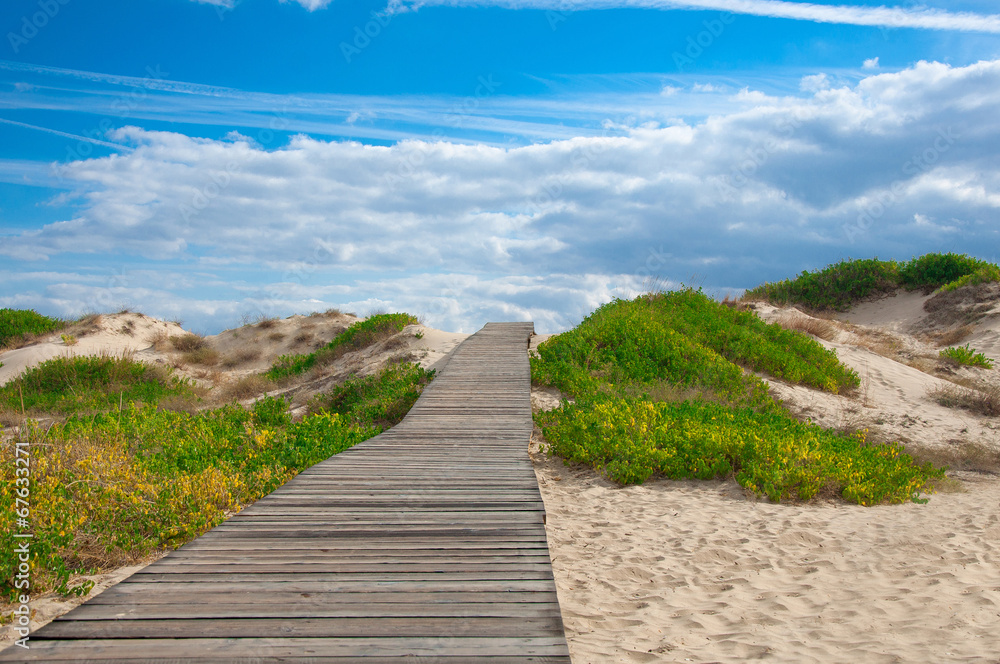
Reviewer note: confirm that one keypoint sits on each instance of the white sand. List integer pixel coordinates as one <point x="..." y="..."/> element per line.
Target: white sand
<point x="114" y="334"/>
<point x="694" y="571"/>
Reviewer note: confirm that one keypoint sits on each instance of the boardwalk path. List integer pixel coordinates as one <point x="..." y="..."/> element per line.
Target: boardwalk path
<point x="426" y="541"/>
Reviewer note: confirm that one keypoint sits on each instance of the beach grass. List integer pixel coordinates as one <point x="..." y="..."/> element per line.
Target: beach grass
<point x="842" y="285"/>
<point x="361" y="334"/>
<point x="20" y="326"/>
<point x="622" y="357"/>
<point x="109" y="488"/>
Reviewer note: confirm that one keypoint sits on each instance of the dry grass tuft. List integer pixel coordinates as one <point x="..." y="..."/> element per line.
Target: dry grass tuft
<point x="953" y="336"/>
<point x="247" y="387"/>
<point x="266" y="323"/>
<point x="303" y="338"/>
<point x="276" y="336"/>
<point x="394" y="342"/>
<point x="160" y="341"/>
<point x="982" y="399"/>
<point x="242" y="356"/>
<point x="817" y="327"/>
<point x="128" y="328"/>
<point x="203" y="355"/>
<point x="735" y="302"/>
<point x="187" y="343"/>
<point x="878" y="341"/>
<point x="961" y="455"/>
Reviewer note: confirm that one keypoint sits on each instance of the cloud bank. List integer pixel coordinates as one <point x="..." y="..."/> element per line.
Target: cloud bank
<point x="896" y="165"/>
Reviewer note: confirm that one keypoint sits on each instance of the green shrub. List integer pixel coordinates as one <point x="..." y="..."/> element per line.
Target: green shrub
<point x="379" y="400"/>
<point x="837" y="286"/>
<point x="983" y="275"/>
<point x="842" y="285"/>
<point x="936" y="270"/>
<point x="768" y="453"/>
<point x="359" y="335"/>
<point x="966" y="356"/>
<point x="66" y="385"/>
<point x="687" y="340"/>
<point x="19" y="325"/>
<point x="716" y="420"/>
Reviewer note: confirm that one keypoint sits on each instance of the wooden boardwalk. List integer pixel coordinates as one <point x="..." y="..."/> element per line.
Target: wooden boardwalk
<point x="424" y="543"/>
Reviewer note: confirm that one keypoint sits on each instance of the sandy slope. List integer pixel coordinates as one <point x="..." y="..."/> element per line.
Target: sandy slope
<point x="694" y="571"/>
<point x="113" y="334"/>
<point x="699" y="572"/>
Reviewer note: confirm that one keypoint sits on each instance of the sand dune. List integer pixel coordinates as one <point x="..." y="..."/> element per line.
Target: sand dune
<point x="699" y="572"/>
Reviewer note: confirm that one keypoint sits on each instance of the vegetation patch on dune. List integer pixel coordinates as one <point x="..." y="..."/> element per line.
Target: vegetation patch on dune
<point x="18" y="326"/>
<point x="108" y="489"/>
<point x="359" y="335"/>
<point x="844" y="284"/>
<point x="85" y="383"/>
<point x="686" y="339"/>
<point x="659" y="391"/>
<point x="966" y="356"/>
<point x="381" y="399"/>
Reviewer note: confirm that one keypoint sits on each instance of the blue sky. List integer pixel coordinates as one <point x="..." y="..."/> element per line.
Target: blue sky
<point x="475" y="161"/>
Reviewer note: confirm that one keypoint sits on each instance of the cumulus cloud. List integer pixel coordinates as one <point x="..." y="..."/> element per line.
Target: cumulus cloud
<point x="871" y="63"/>
<point x="895" y="165"/>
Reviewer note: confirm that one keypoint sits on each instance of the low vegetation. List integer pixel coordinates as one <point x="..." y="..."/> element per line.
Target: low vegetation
<point x="82" y="384"/>
<point x="111" y="487"/>
<point x="981" y="399"/>
<point x="381" y="399"/>
<point x="966" y="356"/>
<point x="686" y="339"/>
<point x="360" y="335"/>
<point x="21" y="326"/>
<point x="659" y="389"/>
<point x="844" y="284"/>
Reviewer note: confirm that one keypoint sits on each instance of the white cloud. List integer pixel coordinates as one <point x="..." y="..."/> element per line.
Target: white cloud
<point x="871" y="63"/>
<point x="882" y="16"/>
<point x="466" y="231"/>
<point x="814" y="83"/>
